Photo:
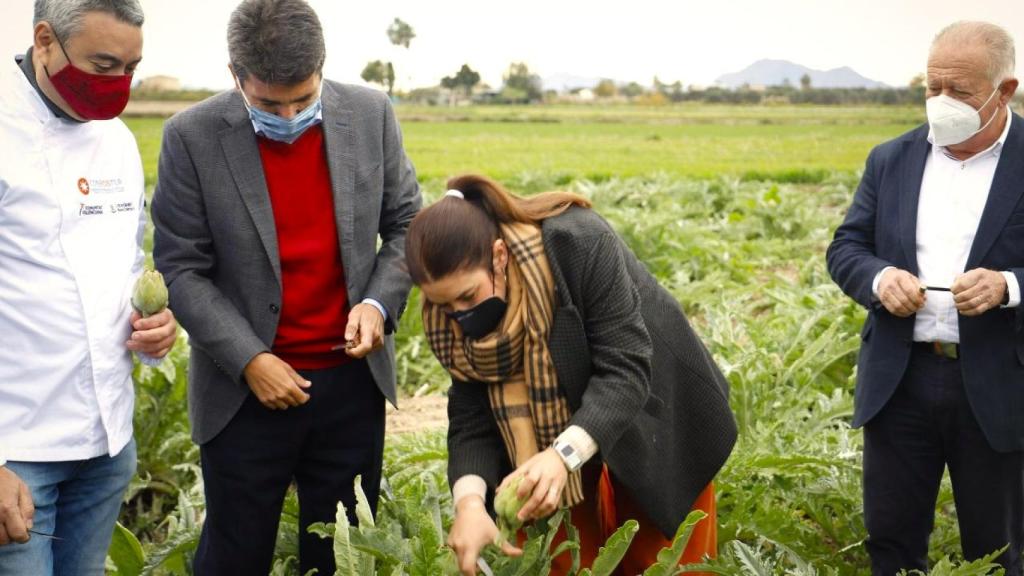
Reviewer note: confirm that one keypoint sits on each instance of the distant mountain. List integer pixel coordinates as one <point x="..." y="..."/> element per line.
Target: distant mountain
<point x="776" y="72"/>
<point x="567" y="82"/>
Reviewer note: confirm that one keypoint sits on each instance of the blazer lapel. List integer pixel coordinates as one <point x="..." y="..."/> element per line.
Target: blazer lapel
<point x="339" y="140"/>
<point x="1003" y="196"/>
<point x="243" y="156"/>
<point x="910" y="193"/>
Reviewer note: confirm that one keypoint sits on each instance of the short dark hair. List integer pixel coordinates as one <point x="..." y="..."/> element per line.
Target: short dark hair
<point x="277" y="41"/>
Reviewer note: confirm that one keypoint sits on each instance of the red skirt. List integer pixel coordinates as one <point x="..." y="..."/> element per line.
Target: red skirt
<point x="607" y="506"/>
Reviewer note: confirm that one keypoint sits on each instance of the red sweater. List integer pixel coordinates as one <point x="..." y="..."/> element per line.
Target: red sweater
<point x="314" y="307"/>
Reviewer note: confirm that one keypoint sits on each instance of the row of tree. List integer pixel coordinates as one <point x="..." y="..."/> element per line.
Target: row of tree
<point x="520" y="85"/>
<point x="787" y="94"/>
<point x="806" y="93"/>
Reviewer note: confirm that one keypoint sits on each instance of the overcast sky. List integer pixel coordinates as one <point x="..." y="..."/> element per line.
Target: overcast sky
<point x="691" y="41"/>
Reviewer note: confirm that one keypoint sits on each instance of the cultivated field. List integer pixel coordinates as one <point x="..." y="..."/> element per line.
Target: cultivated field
<point x="731" y="208"/>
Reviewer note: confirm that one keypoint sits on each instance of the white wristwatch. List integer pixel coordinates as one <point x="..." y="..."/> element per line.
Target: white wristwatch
<point x="568" y="454"/>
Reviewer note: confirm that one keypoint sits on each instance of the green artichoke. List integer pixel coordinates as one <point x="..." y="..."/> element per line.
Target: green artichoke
<point x="507" y="506"/>
<point x="150" y="294"/>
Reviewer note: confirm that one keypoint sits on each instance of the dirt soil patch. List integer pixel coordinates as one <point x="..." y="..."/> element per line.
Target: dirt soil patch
<point x="415" y="414"/>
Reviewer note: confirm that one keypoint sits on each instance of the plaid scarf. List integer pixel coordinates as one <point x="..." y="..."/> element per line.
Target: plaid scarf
<point x="514" y="361"/>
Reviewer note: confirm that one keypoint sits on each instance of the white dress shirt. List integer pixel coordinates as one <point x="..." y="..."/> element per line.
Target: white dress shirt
<point x="952" y="199"/>
<point x="71" y="226"/>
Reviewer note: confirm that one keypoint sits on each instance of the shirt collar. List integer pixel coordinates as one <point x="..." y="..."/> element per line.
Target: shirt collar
<point x="995" y="149"/>
<point x="28" y="68"/>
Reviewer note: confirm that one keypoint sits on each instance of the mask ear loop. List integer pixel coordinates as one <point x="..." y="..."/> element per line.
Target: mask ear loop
<point x="994" y="113"/>
<point x="61" y="45"/>
<point x="238" y="86"/>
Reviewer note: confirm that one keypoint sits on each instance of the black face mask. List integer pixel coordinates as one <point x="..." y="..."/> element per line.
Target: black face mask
<point x="482" y="319"/>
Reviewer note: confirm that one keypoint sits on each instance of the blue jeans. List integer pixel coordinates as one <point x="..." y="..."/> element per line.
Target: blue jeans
<point x="77" y="501"/>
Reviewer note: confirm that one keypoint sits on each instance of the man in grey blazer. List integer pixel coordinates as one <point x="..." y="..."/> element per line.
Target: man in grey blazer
<point x="269" y="205"/>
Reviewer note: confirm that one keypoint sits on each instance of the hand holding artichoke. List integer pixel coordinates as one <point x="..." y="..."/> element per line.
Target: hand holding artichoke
<point x="150" y="294"/>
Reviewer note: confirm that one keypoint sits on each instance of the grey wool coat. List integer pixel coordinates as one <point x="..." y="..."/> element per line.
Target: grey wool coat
<point x="216" y="241"/>
<point x="636" y="377"/>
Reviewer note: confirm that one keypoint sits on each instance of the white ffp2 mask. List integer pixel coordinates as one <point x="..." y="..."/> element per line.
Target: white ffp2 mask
<point x="952" y="121"/>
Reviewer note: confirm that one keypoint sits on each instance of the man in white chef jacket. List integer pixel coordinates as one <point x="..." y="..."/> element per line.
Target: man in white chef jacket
<point x="71" y="226"/>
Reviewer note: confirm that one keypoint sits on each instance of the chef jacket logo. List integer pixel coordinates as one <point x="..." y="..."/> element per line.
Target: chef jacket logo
<point x="98" y="186"/>
<point x="90" y="209"/>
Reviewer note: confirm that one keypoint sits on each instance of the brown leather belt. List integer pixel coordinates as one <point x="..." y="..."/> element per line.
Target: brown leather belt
<point x="944" y="349"/>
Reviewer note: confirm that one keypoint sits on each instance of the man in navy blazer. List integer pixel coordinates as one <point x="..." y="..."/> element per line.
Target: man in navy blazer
<point x="933" y="247"/>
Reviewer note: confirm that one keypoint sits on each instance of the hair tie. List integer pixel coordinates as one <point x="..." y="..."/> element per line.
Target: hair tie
<point x="455" y="194"/>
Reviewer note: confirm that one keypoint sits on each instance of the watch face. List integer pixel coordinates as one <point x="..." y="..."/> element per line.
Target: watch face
<point x="567" y="450"/>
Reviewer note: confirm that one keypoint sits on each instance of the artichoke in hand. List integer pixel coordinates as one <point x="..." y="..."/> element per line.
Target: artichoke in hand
<point x="150" y="294"/>
<point x="507" y="506"/>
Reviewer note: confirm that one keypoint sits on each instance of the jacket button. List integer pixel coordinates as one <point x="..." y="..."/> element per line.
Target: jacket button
<point x="275" y="308"/>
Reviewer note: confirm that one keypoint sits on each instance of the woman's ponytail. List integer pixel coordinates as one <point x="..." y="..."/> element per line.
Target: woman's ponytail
<point x="457" y="233"/>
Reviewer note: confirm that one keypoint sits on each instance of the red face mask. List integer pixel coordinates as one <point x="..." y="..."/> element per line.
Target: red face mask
<point x="91" y="96"/>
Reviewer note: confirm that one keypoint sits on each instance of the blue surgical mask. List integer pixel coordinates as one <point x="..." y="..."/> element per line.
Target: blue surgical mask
<point x="281" y="129"/>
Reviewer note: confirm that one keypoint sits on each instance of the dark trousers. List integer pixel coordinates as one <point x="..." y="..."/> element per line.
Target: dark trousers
<point x="928" y="425"/>
<point x="322" y="445"/>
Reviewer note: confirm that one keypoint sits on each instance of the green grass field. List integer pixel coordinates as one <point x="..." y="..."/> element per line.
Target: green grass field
<point x="685" y="113"/>
<point x="787" y="143"/>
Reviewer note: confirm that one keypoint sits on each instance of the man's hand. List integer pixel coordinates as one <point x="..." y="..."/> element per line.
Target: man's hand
<point x="900" y="292"/>
<point x="978" y="291"/>
<point x="153" y="336"/>
<point x="366" y="329"/>
<point x="276" y="384"/>
<point x="472" y="530"/>
<point x="16" y="508"/>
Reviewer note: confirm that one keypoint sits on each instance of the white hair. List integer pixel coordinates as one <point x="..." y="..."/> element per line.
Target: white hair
<point x="996" y="40"/>
<point x="65" y="16"/>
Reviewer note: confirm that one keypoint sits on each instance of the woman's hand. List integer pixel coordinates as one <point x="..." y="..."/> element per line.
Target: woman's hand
<point x="472" y="531"/>
<point x="544" y="478"/>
